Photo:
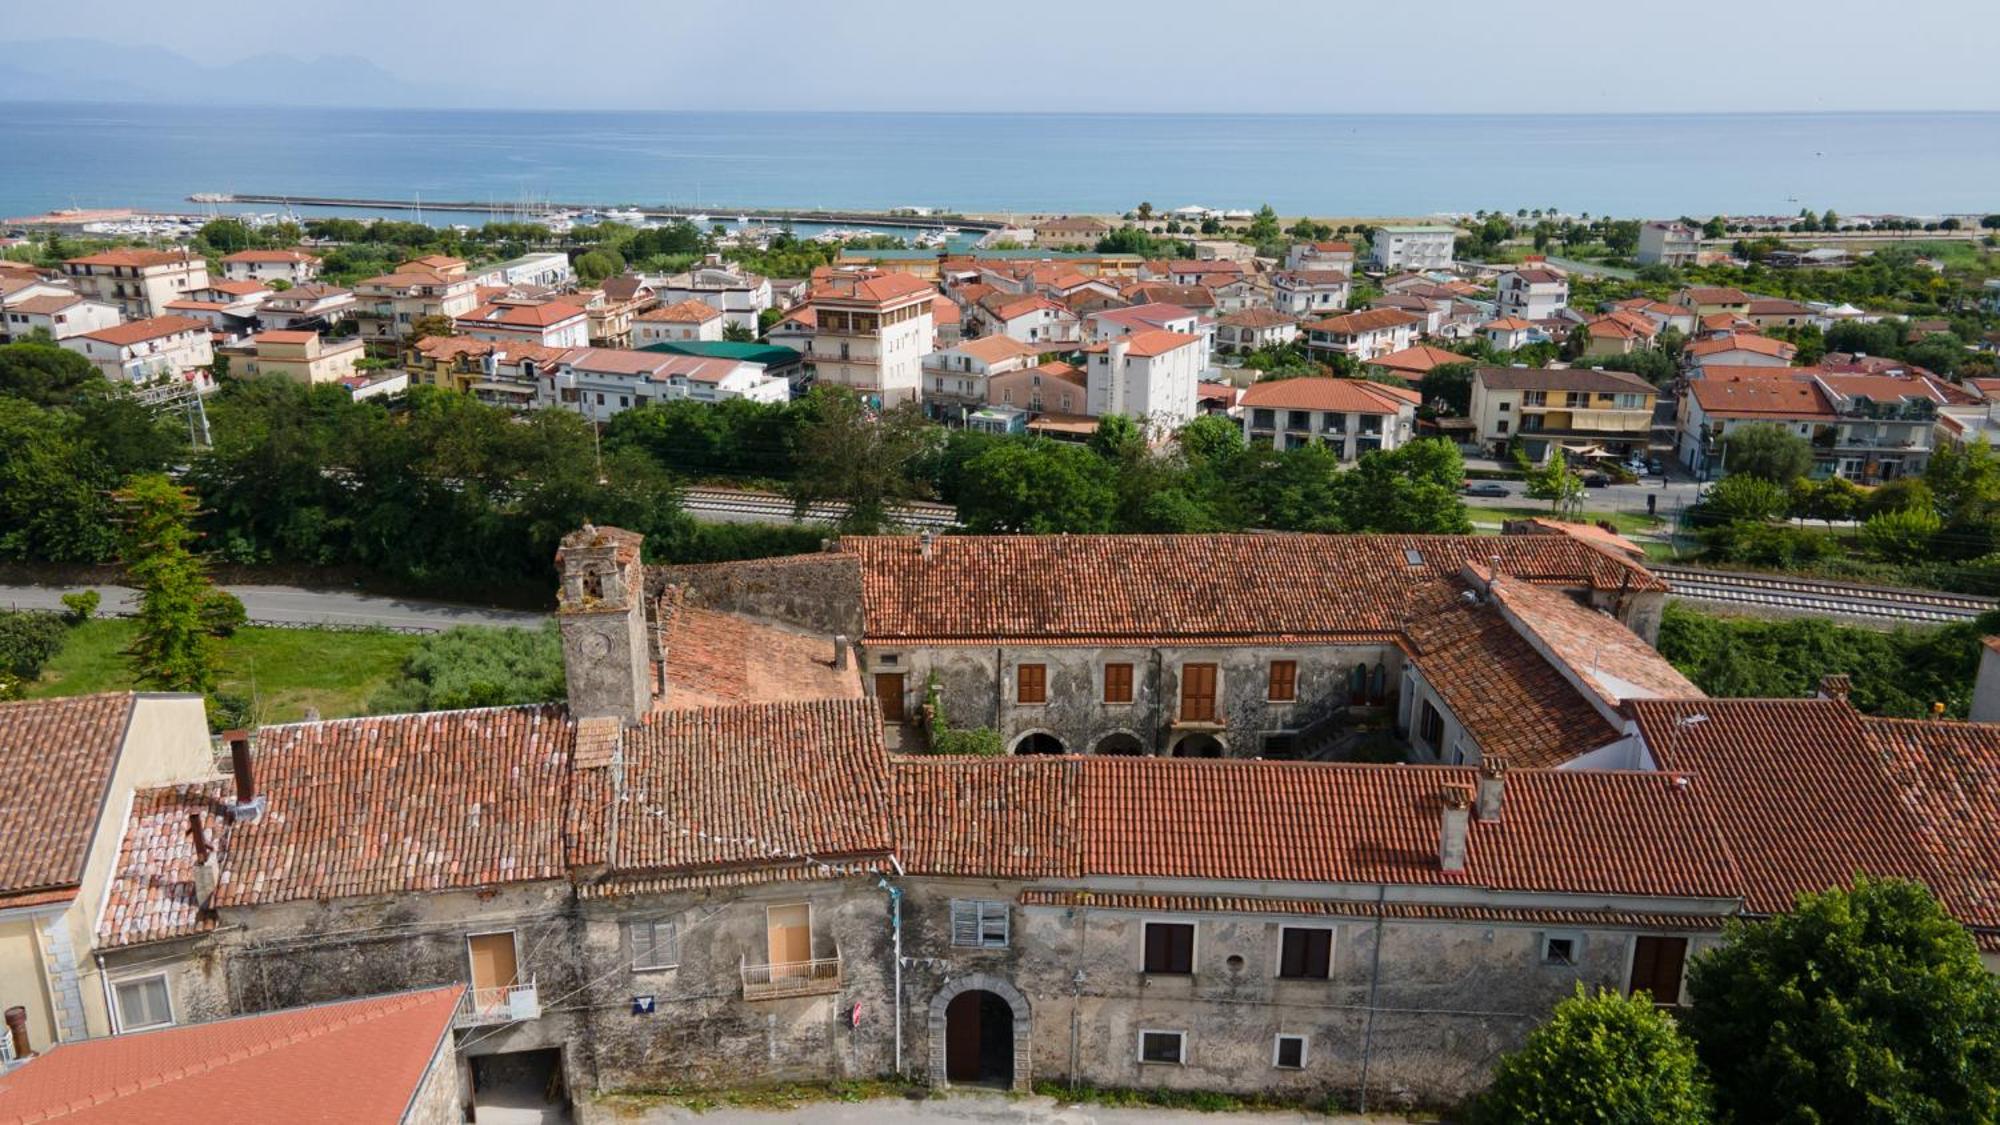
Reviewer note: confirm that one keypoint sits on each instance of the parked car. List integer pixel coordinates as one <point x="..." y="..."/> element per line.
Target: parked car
<point x="1637" y="467"/>
<point x="1654" y="467"/>
<point x="1595" y="479"/>
<point x="1485" y="488"/>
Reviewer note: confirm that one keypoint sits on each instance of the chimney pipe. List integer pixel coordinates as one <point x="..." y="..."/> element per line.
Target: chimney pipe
<point x="925" y="542"/>
<point x="1492" y="785"/>
<point x="17" y="1028"/>
<point x="1451" y="840"/>
<point x="201" y="848"/>
<point x="842" y="649"/>
<point x="249" y="805"/>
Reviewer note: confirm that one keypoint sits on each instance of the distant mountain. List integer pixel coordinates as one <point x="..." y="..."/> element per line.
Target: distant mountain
<point x="73" y="70"/>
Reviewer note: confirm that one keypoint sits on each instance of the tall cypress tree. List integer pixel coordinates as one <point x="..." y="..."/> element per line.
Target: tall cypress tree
<point x="175" y="649"/>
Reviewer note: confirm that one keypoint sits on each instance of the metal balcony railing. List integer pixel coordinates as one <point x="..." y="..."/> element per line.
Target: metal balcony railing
<point x="792" y="978"/>
<point x="509" y="1003"/>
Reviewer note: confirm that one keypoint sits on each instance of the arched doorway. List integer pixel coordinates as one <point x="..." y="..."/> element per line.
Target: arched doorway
<point x="979" y="1040"/>
<point x="1120" y="742"/>
<point x="1198" y="746"/>
<point x="981" y="1027"/>
<point x="1038" y="742"/>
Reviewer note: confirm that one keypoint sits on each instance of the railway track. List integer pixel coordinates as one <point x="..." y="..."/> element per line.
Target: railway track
<point x="778" y="509"/>
<point x="1836" y="599"/>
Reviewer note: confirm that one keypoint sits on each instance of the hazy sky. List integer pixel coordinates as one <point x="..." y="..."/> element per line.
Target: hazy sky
<point x="1310" y="56"/>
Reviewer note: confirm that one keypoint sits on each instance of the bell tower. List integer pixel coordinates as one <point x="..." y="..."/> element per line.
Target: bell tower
<point x="602" y="612"/>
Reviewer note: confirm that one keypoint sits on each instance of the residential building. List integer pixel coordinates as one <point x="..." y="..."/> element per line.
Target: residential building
<point x="314" y="306"/>
<point x="1509" y="333"/>
<point x="1349" y="416"/>
<point x="1109" y="324"/>
<point x="871" y="332"/>
<point x="1585" y="412"/>
<point x="685" y="320"/>
<point x="60" y="315"/>
<point x="1310" y="292"/>
<point x="387" y="307"/>
<point x="1362" y="336"/>
<point x="1739" y="349"/>
<point x="613" y="306"/>
<point x="229" y="308"/>
<point x="394" y="1054"/>
<point x="795" y="329"/>
<point x="777" y="361"/>
<point x="1251" y="329"/>
<point x="293" y="267"/>
<point x="305" y="357"/>
<point x="1071" y="230"/>
<point x="1413" y="363"/>
<point x="1535" y="293"/>
<point x="139" y="282"/>
<point x="601" y="383"/>
<point x="1776" y="312"/>
<point x="1191" y="271"/>
<point x="1668" y="244"/>
<point x="549" y="269"/>
<point x="1335" y="256"/>
<point x="549" y="323"/>
<point x="1710" y="300"/>
<point x="955" y="379"/>
<point x="1030" y="319"/>
<point x="72" y="766"/>
<point x="1677" y="317"/>
<point x="1412" y="247"/>
<point x="947" y="322"/>
<point x="740" y="295"/>
<point x="1150" y="376"/>
<point x="150" y="351"/>
<point x="1866" y="427"/>
<point x="1194" y="298"/>
<point x="1050" y="389"/>
<point x="1619" y="332"/>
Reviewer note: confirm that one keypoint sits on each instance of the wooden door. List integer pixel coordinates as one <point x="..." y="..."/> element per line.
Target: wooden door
<point x="1197" y="693"/>
<point x="889" y="695"/>
<point x="788" y="935"/>
<point x="1656" y="968"/>
<point x="962" y="1047"/>
<point x="494" y="969"/>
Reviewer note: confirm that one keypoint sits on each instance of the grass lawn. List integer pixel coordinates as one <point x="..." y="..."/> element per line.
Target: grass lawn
<point x="289" y="669"/>
<point x="1627" y="523"/>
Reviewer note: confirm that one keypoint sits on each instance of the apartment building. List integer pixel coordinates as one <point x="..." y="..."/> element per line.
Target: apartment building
<point x="1584" y="412"/>
<point x="60" y="315"/>
<point x="150" y="351"/>
<point x="1713" y="300"/>
<point x="613" y="306"/>
<point x="1336" y="256"/>
<point x="305" y="357"/>
<point x="739" y="295"/>
<point x="601" y="383"/>
<point x="1151" y="375"/>
<point x="1536" y="293"/>
<point x="293" y="267"/>
<point x="683" y="320"/>
<point x="871" y="332"/>
<point x="1362" y="336"/>
<point x="1869" y="428"/>
<point x="1668" y="244"/>
<point x="547" y="269"/>
<point x="1349" y="416"/>
<point x="1252" y="329"/>
<point x="139" y="282"/>
<point x="548" y="323"/>
<point x="1029" y="319"/>
<point x="955" y="379"/>
<point x="387" y="306"/>
<point x="1310" y="292"/>
<point x="315" y="306"/>
<point x="1412" y="247"/>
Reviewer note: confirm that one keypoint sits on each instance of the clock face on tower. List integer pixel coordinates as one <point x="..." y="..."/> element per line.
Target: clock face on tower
<point x="595" y="645"/>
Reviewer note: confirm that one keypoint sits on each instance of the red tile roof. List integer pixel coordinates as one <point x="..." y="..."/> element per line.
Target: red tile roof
<point x="1777" y="398"/>
<point x="151" y="894"/>
<point x="1417" y="360"/>
<point x="511" y="315"/>
<point x="718" y="659"/>
<point x="1149" y="342"/>
<point x="140" y="331"/>
<point x="1353" y="396"/>
<point x="1373" y="320"/>
<point x="978" y="589"/>
<point x="139" y="259"/>
<point x="993" y="349"/>
<point x="358" y="1061"/>
<point x="1743" y="342"/>
<point x="1258" y="318"/>
<point x="878" y="288"/>
<point x="1009" y="818"/>
<point x="1949" y="777"/>
<point x="271" y="256"/>
<point x="945" y="311"/>
<point x="685" y="312"/>
<point x="1562" y="379"/>
<point x="1604" y="656"/>
<point x="56" y="761"/>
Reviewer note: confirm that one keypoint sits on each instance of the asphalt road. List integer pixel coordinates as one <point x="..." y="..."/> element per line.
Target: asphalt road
<point x="294" y="605"/>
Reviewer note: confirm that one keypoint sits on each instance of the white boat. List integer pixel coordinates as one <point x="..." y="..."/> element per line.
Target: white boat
<point x="630" y="216"/>
<point x="697" y="218"/>
<point x="742" y="220"/>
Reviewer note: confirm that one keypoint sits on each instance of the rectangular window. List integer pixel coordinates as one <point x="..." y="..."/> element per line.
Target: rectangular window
<point x="1197" y="693"/>
<point x="1305" y="954"/>
<point x="1535" y="398"/>
<point x="1170" y="948"/>
<point x="143" y="1003"/>
<point x="1168" y="1047"/>
<point x="1284" y="686"/>
<point x="1031" y="683"/>
<point x="979" y="924"/>
<point x="1289" y="1052"/>
<point x="1656" y="968"/>
<point x="1501" y="426"/>
<point x="1559" y="949"/>
<point x="655" y="945"/>
<point x="1430" y="727"/>
<point x="1117" y="683"/>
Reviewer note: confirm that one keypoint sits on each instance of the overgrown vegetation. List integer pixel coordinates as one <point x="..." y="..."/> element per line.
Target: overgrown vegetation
<point x="476" y="666"/>
<point x="1600" y="1058"/>
<point x="772" y="1097"/>
<point x="940" y="737"/>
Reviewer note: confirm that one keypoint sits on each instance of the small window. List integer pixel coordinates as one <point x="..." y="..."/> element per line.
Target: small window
<point x="1170" y="948"/>
<point x="1117" y="683"/>
<point x="143" y="1003"/>
<point x="1280" y="747"/>
<point x="1289" y="1052"/>
<point x="1430" y="728"/>
<point x="979" y="924"/>
<point x="1559" y="949"/>
<point x="655" y="945"/>
<point x="1031" y="683"/>
<point x="1413" y="557"/>
<point x="1168" y="1047"/>
<point x="1284" y="687"/>
<point x="1305" y="954"/>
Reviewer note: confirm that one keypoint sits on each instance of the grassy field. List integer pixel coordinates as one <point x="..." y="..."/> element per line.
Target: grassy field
<point x="1627" y="523"/>
<point x="289" y="670"/>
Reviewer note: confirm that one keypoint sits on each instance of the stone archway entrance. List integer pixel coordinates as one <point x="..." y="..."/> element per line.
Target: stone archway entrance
<point x="1198" y="745"/>
<point x="1121" y="742"/>
<point x="980" y="1033"/>
<point x="1038" y="742"/>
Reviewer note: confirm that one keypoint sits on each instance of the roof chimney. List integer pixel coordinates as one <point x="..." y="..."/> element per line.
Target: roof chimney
<point x="925" y="541"/>
<point x="842" y="651"/>
<point x="17" y="1028"/>
<point x="1834" y="685"/>
<point x="249" y="805"/>
<point x="1457" y="816"/>
<point x="1492" y="784"/>
<point x="206" y="869"/>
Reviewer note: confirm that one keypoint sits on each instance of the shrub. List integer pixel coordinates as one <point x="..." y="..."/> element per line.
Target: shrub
<point x="1901" y="536"/>
<point x="474" y="666"/>
<point x="27" y="641"/>
<point x="1602" y="1058"/>
<point x="80" y="606"/>
<point x="222" y="613"/>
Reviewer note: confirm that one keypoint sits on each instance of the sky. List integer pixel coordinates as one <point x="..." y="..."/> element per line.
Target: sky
<point x="1090" y="56"/>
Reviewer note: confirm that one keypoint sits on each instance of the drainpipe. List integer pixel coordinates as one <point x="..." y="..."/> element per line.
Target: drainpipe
<point x="110" y="1008"/>
<point x="896" y="932"/>
<point x="1374" y="981"/>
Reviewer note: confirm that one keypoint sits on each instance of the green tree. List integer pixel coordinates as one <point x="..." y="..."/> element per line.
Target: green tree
<point x="28" y="640"/>
<point x="1264" y="228"/>
<point x="1604" y="1060"/>
<point x="1410" y="490"/>
<point x="595" y="265"/>
<point x="847" y="454"/>
<point x="1744" y="498"/>
<point x="1038" y="487"/>
<point x="45" y="374"/>
<point x="1901" y="537"/>
<point x="1829" y="500"/>
<point x="1552" y="481"/>
<point x="1767" y="451"/>
<point x="1714" y="228"/>
<point x="427" y="327"/>
<point x="474" y="666"/>
<point x="175" y="650"/>
<point x="1868" y="1005"/>
<point x="1940" y="352"/>
<point x="1963" y="478"/>
<point x="738" y="333"/>
<point x="227" y="236"/>
<point x="1449" y="386"/>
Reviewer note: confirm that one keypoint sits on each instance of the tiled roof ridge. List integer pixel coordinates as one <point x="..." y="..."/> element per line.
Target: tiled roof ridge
<point x="451" y="711"/>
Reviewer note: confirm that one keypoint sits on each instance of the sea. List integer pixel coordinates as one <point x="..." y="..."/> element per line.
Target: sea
<point x="155" y="156"/>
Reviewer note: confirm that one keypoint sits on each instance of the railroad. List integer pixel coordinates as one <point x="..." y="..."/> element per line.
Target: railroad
<point x="754" y="214"/>
<point x="1834" y="599"/>
<point x="778" y="509"/>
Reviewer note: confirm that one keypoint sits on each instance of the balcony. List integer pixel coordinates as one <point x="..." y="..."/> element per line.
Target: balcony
<point x="511" y="1003"/>
<point x="818" y="977"/>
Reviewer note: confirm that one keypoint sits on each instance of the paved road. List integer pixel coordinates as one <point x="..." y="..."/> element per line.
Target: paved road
<point x="982" y="1109"/>
<point x="737" y="505"/>
<point x="294" y="605"/>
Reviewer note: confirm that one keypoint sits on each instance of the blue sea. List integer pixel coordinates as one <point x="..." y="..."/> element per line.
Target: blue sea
<point x="154" y="156"/>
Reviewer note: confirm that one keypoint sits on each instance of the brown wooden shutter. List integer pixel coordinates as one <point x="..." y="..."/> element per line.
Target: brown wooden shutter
<point x="1197" y="693"/>
<point x="1117" y="683"/>
<point x="889" y="694"/>
<point x="1031" y="683"/>
<point x="1656" y="968"/>
<point x="1284" y="681"/>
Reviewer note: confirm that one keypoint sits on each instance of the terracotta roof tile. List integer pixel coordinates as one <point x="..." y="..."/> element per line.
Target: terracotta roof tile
<point x="1608" y="658"/>
<point x="1013" y="817"/>
<point x="1562" y="379"/>
<point x="685" y="312"/>
<point x="1948" y="776"/>
<point x="1417" y="360"/>
<point x="1394" y="911"/>
<point x="139" y="331"/>
<point x="56" y="761"/>
<point x="1356" y="396"/>
<point x="271" y="256"/>
<point x="151" y="894"/>
<point x="716" y="659"/>
<point x="1743" y="342"/>
<point x="1373" y="320"/>
<point x="140" y="259"/>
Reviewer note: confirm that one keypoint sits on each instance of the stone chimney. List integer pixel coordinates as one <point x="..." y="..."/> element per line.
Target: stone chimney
<point x="602" y="613"/>
<point x="1491" y="786"/>
<point x="206" y="870"/>
<point x="843" y="650"/>
<point x="249" y="804"/>
<point x="1835" y="685"/>
<point x="926" y="541"/>
<point x="17" y="1029"/>
<point x="1457" y="820"/>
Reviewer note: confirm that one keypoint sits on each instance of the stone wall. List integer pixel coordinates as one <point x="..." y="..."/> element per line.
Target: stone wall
<point x="820" y="592"/>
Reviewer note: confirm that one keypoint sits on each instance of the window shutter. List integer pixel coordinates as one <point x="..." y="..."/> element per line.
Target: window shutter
<point x="654" y="945"/>
<point x="964" y="922"/>
<point x="993" y="925"/>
